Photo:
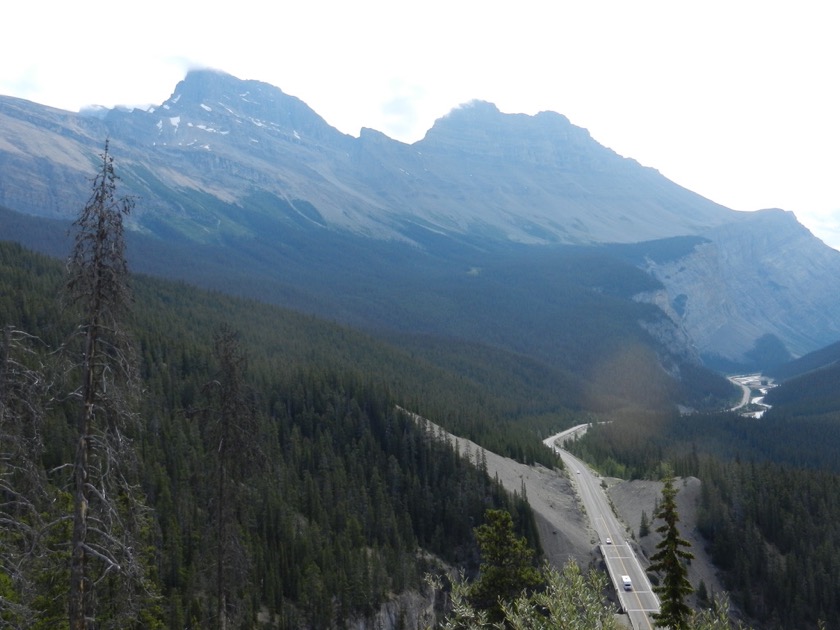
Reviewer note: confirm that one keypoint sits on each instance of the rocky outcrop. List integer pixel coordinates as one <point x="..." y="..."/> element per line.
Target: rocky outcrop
<point x="407" y="611"/>
<point x="763" y="273"/>
<point x="669" y="332"/>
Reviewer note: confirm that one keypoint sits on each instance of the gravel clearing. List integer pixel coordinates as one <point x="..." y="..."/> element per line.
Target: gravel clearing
<point x="564" y="529"/>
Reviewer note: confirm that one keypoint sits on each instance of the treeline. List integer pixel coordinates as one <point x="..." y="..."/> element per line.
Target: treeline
<point x="343" y="494"/>
<point x="770" y="508"/>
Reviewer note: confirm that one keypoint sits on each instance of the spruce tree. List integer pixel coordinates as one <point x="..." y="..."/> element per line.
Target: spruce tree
<point x="670" y="561"/>
<point x="232" y="437"/>
<point x="507" y="564"/>
<point x="644" y="525"/>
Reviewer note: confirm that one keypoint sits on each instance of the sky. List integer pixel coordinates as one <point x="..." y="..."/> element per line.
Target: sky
<point x="736" y="100"/>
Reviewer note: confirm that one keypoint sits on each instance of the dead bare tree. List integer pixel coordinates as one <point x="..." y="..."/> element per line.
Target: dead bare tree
<point x="107" y="510"/>
<point x="23" y="485"/>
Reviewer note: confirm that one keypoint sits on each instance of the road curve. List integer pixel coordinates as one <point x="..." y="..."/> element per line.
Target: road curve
<point x="745" y="392"/>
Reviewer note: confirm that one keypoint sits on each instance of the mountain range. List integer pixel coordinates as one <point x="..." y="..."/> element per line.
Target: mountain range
<point x="494" y="228"/>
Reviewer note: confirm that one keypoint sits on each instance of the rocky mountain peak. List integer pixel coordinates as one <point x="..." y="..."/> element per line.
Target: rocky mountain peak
<point x="548" y="139"/>
<point x="218" y="103"/>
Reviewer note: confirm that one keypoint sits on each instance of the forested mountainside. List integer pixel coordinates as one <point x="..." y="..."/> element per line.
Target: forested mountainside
<point x="808" y="385"/>
<point x="572" y="327"/>
<point x="770" y="505"/>
<point x="823" y="358"/>
<point x="345" y="500"/>
<point x="812" y="394"/>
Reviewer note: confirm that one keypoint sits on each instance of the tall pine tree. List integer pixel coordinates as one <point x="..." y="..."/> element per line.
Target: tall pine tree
<point x="232" y="437"/>
<point x="670" y="561"/>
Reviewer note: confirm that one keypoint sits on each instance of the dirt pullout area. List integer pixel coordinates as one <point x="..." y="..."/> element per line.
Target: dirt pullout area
<point x="563" y="529"/>
<point x="631" y="498"/>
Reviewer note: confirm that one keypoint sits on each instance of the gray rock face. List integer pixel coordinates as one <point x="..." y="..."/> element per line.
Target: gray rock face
<point x="223" y="157"/>
<point x="542" y="179"/>
<point x="764" y="273"/>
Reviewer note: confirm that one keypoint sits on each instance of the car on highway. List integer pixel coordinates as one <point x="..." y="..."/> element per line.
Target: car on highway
<point x="628" y="585"/>
<point x="608" y="540"/>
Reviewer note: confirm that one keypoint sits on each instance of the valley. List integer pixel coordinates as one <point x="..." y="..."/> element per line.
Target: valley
<point x="750" y="385"/>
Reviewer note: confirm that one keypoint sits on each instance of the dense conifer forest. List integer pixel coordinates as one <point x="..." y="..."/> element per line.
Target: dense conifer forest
<point x="329" y="497"/>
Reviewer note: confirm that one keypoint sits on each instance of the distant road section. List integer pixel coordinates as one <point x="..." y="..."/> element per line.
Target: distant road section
<point x="749" y="383"/>
<point x="745" y="392"/>
<point x="639" y="600"/>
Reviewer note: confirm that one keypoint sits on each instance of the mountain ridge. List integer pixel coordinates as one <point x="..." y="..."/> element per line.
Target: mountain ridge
<point x="225" y="163"/>
<point x="214" y="113"/>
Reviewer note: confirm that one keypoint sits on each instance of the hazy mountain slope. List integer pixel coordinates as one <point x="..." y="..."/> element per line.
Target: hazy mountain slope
<point x="45" y="157"/>
<point x="542" y="179"/>
<point x="821" y="359"/>
<point x="568" y="312"/>
<point x="225" y="140"/>
<point x="242" y="187"/>
<point x="761" y="274"/>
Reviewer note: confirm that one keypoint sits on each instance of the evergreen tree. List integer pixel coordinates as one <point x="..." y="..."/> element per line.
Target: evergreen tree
<point x="507" y="563"/>
<point x="670" y="560"/>
<point x="570" y="600"/>
<point x="232" y="437"/>
<point x="644" y="525"/>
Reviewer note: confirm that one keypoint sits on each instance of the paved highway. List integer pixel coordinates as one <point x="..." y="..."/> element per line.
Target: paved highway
<point x="640" y="601"/>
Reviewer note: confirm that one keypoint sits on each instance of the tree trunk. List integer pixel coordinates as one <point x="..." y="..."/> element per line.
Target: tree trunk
<point x="78" y="595"/>
<point x="78" y="558"/>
